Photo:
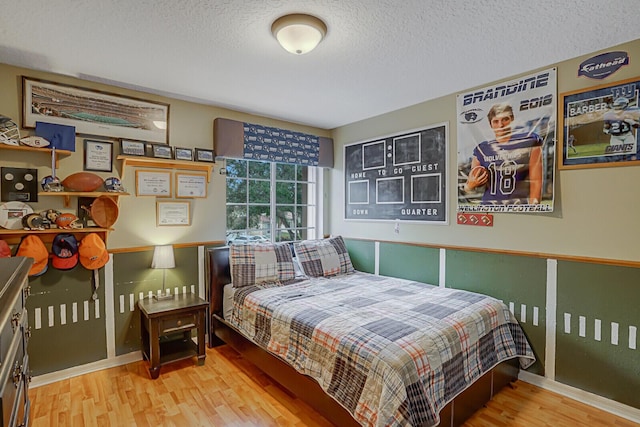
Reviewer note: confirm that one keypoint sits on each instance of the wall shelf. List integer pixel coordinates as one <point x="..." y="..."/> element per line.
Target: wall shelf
<point x="36" y="150"/>
<point x="69" y="194"/>
<point x="13" y="237"/>
<point x="153" y="162"/>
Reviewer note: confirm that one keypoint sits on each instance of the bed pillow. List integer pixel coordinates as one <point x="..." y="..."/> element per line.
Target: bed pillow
<point x="324" y="257"/>
<point x="257" y="263"/>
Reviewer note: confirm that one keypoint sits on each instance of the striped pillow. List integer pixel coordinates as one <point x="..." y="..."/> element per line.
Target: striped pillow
<point x="254" y="264"/>
<point x="323" y="258"/>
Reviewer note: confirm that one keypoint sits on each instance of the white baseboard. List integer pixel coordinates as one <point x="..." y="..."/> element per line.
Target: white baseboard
<point x="52" y="377"/>
<point x="608" y="405"/>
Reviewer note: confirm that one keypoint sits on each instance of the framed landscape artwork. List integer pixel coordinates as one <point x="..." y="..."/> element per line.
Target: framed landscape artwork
<point x="93" y="112"/>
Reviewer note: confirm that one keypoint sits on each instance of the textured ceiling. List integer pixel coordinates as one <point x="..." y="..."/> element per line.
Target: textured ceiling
<point x="378" y="56"/>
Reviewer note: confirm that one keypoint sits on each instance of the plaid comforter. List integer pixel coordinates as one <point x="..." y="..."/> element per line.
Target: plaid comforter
<point x="390" y="351"/>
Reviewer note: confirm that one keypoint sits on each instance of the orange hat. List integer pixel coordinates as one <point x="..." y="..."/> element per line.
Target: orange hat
<point x="5" y="250"/>
<point x="33" y="247"/>
<point x="93" y="253"/>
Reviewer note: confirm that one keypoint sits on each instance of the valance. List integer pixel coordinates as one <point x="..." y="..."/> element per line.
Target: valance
<point x="238" y="140"/>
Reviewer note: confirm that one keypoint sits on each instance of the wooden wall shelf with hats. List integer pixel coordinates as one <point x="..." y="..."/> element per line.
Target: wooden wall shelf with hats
<point x="154" y="162"/>
<point x="36" y="150"/>
<point x="13" y="237"/>
<point x="69" y="194"/>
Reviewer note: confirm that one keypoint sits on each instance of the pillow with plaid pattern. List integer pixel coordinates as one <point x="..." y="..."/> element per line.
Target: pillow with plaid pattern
<point x="257" y="263"/>
<point x="324" y="257"/>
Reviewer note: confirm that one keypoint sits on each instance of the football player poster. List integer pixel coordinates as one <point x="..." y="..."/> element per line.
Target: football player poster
<point x="506" y="145"/>
<point x="600" y="126"/>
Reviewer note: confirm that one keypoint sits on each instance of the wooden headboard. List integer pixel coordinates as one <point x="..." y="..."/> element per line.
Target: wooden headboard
<point x="218" y="275"/>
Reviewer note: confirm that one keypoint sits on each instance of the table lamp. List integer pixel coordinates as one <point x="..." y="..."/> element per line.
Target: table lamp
<point x="163" y="258"/>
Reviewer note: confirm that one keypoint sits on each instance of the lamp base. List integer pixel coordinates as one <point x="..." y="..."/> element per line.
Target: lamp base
<point x="162" y="297"/>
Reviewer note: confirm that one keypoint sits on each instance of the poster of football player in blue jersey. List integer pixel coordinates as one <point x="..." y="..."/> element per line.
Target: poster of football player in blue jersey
<point x="506" y="153"/>
<point x="600" y="126"/>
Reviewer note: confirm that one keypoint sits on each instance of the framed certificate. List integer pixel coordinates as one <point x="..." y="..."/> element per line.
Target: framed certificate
<point x="172" y="213"/>
<point x="153" y="183"/>
<point x="191" y="185"/>
<point x="98" y="156"/>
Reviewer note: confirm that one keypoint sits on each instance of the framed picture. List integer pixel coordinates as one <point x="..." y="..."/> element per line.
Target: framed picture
<point x="93" y="112"/>
<point x="161" y="151"/>
<point x="183" y="153"/>
<point x="600" y="126"/>
<point x="132" y="148"/>
<point x="191" y="185"/>
<point x="98" y="156"/>
<point x="172" y="213"/>
<point x="203" y="155"/>
<point x="153" y="183"/>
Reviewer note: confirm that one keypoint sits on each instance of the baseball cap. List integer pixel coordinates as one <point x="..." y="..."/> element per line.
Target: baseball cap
<point x="32" y="246"/>
<point x="92" y="251"/>
<point x="5" y="250"/>
<point x="64" y="252"/>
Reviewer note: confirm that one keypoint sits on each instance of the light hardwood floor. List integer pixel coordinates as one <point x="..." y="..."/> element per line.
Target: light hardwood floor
<point x="229" y="391"/>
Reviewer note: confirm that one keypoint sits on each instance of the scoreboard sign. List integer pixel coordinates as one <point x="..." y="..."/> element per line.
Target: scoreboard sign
<point x="398" y="178"/>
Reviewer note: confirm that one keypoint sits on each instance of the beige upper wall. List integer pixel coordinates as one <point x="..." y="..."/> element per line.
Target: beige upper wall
<point x="190" y="125"/>
<point x="596" y="210"/>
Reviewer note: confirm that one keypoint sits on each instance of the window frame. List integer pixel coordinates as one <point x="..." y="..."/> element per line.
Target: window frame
<point x="313" y="203"/>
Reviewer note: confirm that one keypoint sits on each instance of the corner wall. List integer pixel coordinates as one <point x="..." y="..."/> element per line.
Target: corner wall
<point x="570" y="277"/>
<point x="596" y="209"/>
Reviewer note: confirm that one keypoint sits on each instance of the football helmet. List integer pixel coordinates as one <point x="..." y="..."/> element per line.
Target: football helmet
<point x="620" y="103"/>
<point x="113" y="185"/>
<point x="33" y="221"/>
<point x="68" y="221"/>
<point x="51" y="215"/>
<point x="9" y="132"/>
<point x="49" y="183"/>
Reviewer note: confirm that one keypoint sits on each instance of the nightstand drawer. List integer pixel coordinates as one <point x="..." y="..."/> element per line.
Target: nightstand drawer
<point x="171" y="324"/>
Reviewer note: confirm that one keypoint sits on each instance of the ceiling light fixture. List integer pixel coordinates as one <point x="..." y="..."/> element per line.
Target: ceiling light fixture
<point x="299" y="33"/>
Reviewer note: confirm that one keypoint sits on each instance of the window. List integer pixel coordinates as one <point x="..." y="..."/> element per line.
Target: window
<point x="271" y="201"/>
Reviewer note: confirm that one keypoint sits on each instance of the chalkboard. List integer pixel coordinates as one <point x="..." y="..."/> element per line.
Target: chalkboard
<point x="400" y="177"/>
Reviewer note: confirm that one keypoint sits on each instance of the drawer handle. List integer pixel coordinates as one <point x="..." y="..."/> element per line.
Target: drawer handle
<point x="179" y="322"/>
<point x="17" y="374"/>
<point x="15" y="320"/>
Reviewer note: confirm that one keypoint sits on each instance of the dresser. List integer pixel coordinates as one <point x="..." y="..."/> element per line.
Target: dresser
<point x="14" y="333"/>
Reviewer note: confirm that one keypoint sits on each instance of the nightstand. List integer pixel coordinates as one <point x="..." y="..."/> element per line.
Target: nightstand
<point x="166" y="327"/>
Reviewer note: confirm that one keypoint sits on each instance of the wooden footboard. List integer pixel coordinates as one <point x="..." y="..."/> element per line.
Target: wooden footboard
<point x="306" y="388"/>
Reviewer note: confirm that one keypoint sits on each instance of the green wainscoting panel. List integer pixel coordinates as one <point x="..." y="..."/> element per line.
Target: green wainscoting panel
<point x="67" y="325"/>
<point x="362" y="254"/>
<point x="586" y="357"/>
<point x="513" y="279"/>
<point x="410" y="262"/>
<point x="132" y="274"/>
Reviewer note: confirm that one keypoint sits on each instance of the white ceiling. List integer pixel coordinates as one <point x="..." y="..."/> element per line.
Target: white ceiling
<point x="378" y="55"/>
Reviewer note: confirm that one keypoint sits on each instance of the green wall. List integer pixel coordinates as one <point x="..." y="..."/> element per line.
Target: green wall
<point x="513" y="279"/>
<point x="363" y="258"/>
<point x="132" y="274"/>
<point x="67" y="342"/>
<point x="59" y="341"/>
<point x="611" y="295"/>
<point x="410" y="262"/>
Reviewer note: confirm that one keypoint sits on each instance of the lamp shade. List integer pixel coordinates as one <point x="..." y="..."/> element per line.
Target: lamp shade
<point x="298" y="33"/>
<point x="163" y="257"/>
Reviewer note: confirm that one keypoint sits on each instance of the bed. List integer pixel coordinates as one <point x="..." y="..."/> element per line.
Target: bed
<point x="361" y="349"/>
